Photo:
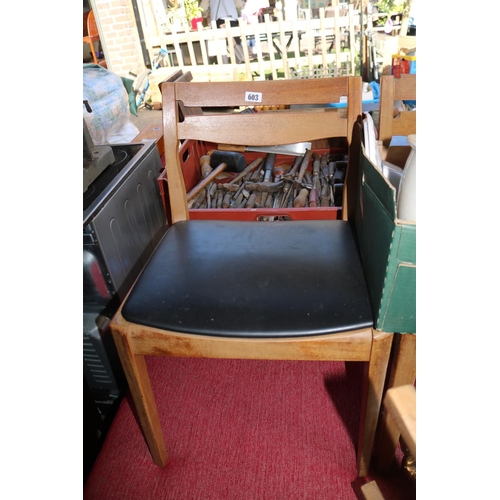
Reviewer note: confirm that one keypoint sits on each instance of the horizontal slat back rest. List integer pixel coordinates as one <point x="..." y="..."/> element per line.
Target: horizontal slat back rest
<point x="267" y="128"/>
<point x="271" y="127"/>
<point x="312" y="91"/>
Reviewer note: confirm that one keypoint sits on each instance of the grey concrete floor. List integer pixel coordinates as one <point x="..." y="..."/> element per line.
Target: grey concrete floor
<point x="146" y="117"/>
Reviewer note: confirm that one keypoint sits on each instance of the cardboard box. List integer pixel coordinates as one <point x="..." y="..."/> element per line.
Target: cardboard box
<point x="388" y="250"/>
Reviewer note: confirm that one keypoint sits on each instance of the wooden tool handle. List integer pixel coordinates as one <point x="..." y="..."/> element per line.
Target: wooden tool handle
<point x="300" y="199"/>
<point x="231" y="147"/>
<point x="313" y="197"/>
<point x="251" y="200"/>
<point x="205" y="165"/>
<point x="206" y="181"/>
<point x="250" y="167"/>
<point x="264" y="187"/>
<point x="325" y="196"/>
<point x="324" y="161"/>
<point x="331" y="169"/>
<point x="296" y="164"/>
<point x="305" y="164"/>
<point x="316" y="164"/>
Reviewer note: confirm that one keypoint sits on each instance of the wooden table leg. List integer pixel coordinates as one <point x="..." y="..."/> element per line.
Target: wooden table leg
<point x="402" y="371"/>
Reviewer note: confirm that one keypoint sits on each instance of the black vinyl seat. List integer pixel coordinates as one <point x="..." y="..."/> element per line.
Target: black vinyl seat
<point x="253" y="279"/>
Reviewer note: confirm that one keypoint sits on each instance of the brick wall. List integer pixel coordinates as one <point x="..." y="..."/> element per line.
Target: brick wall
<point x="118" y="31"/>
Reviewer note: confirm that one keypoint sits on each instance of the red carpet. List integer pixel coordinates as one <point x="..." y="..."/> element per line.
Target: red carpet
<point x="239" y="429"/>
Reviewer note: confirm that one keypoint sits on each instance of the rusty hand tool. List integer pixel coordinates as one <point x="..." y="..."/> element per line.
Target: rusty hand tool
<point x="220" y="197"/>
<point x="331" y="169"/>
<point x="314" y="194"/>
<point x="304" y="165"/>
<point x="242" y="203"/>
<point x="313" y="197"/>
<point x="268" y="174"/>
<point x="252" y="166"/>
<point x="316" y="167"/>
<point x="227" y="187"/>
<point x="264" y="187"/>
<point x="257" y="175"/>
<point x="269" y="202"/>
<point x="226" y="201"/>
<point x="301" y="198"/>
<point x="237" y="197"/>
<point x="205" y="181"/>
<point x="299" y="181"/>
<point x="258" y="199"/>
<point x="234" y="188"/>
<point x="325" y="196"/>
<point x="289" y="177"/>
<point x="251" y="200"/>
<point x="199" y="199"/>
<point x="323" y="175"/>
<point x="206" y="168"/>
<point x="211" y="193"/>
<point x="323" y="162"/>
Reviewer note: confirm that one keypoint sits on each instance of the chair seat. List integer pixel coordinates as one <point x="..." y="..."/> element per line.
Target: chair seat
<point x="250" y="279"/>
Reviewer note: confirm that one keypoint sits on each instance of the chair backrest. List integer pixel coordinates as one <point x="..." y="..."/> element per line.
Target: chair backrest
<point x="395" y="89"/>
<point x="302" y="121"/>
<point x="89" y="24"/>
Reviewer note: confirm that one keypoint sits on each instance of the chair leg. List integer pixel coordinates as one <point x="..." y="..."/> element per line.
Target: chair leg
<point x="402" y="371"/>
<point x="136" y="372"/>
<point x="94" y="55"/>
<point x="373" y="386"/>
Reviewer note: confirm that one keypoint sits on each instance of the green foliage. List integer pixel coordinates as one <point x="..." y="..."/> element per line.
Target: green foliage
<point x="392" y="6"/>
<point x="192" y="8"/>
<point x="187" y="10"/>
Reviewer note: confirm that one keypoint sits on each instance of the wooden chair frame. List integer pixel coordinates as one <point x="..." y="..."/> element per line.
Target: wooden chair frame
<point x="396" y="89"/>
<point x="402" y="371"/>
<point x="402" y="364"/>
<point x="90" y="33"/>
<point x="285" y="126"/>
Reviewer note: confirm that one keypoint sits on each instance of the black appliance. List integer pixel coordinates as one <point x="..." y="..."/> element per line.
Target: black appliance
<point x="123" y="221"/>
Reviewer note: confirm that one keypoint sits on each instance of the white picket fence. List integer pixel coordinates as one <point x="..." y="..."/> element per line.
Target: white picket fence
<point x="300" y="48"/>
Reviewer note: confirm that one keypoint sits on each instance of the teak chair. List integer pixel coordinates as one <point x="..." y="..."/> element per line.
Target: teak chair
<point x="90" y="32"/>
<point x="402" y="366"/>
<point x="396" y="89"/>
<point x="401" y="404"/>
<point x="286" y="290"/>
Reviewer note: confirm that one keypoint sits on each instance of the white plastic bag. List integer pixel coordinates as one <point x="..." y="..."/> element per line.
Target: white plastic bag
<point x="109" y="122"/>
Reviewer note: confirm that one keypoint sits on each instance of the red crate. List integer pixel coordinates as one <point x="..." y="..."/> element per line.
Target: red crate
<point x="190" y="153"/>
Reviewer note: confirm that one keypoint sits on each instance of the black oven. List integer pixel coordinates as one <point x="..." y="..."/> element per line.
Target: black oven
<point x="123" y="221"/>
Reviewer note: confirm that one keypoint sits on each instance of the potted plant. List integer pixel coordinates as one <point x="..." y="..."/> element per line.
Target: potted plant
<point x="193" y="13"/>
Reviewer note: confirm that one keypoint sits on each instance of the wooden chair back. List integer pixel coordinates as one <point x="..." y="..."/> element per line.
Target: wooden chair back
<point x="395" y="89"/>
<point x="305" y="119"/>
<point x="89" y="24"/>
